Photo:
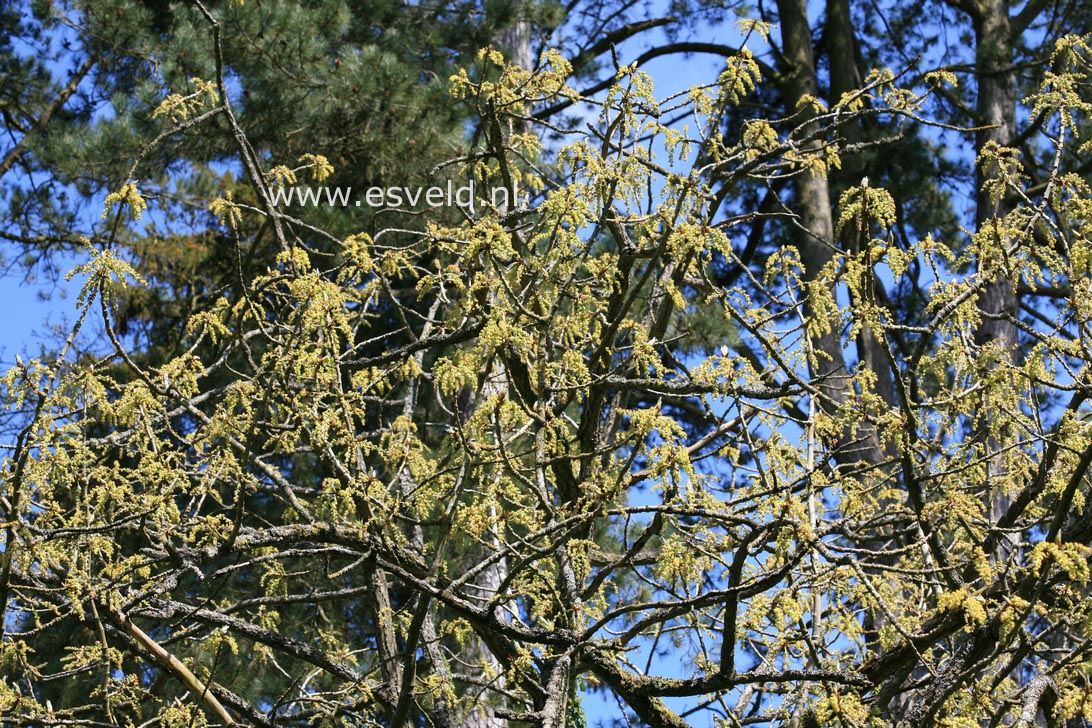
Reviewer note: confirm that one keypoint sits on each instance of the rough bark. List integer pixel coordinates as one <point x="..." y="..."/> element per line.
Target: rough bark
<point x="845" y="76"/>
<point x="815" y="236"/>
<point x="996" y="110"/>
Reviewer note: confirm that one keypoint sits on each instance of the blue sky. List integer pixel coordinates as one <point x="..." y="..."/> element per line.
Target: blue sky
<point x="28" y="314"/>
<point x="32" y="306"/>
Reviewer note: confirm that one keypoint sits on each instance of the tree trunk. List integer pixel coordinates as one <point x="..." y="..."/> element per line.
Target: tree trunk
<point x="845" y="76"/>
<point x="815" y="240"/>
<point x="996" y="109"/>
<point x="815" y="237"/>
<point x="515" y="41"/>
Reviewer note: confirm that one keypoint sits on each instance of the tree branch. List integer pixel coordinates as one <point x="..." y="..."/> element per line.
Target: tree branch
<point x="173" y="665"/>
<point x="17" y="151"/>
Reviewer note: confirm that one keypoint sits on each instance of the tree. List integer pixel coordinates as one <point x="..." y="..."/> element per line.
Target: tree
<point x="286" y="517"/>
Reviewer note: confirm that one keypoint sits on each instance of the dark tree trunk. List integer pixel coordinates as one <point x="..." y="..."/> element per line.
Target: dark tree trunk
<point x="815" y="237"/>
